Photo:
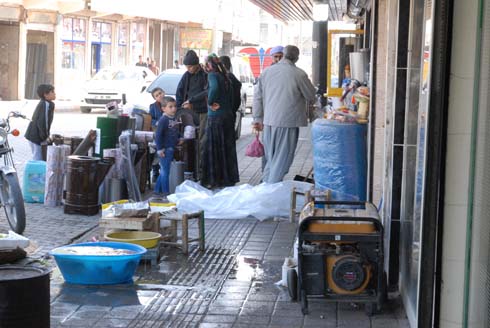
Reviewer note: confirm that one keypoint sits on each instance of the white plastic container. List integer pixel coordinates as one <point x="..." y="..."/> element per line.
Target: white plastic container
<point x="12" y="241"/>
<point x="189" y="132"/>
<point x="289" y="263"/>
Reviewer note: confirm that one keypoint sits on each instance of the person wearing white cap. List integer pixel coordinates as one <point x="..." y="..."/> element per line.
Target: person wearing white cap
<point x="280" y="107"/>
<point x="277" y="53"/>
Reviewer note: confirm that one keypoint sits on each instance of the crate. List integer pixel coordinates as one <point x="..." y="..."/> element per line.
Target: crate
<point x="152" y="255"/>
<point x="149" y="223"/>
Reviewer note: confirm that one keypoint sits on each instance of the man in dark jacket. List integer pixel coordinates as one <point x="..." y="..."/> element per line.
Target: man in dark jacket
<point x="192" y="92"/>
<point x="38" y="130"/>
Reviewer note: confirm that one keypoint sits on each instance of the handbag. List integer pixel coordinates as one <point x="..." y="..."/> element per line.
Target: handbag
<point x="255" y="149"/>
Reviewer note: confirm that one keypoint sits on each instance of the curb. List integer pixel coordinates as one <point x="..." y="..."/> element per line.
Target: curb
<point x="67" y="109"/>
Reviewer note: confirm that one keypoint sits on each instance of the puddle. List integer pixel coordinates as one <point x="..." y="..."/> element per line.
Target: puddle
<point x="247" y="269"/>
<point x="170" y="262"/>
<point x="116" y="295"/>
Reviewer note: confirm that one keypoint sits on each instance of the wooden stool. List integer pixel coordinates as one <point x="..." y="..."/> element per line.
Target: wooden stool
<point x="309" y="196"/>
<point x="170" y="237"/>
<point x="294" y="196"/>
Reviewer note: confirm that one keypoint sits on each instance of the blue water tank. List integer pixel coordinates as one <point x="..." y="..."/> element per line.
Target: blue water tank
<point x="34" y="181"/>
<point x="340" y="159"/>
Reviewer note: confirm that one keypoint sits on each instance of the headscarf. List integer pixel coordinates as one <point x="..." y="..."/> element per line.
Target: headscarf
<point x="213" y="64"/>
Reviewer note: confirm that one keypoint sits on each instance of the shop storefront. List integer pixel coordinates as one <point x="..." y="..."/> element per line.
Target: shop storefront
<point x="138" y="40"/>
<point x="122" y="44"/>
<point x="101" y="45"/>
<point x="198" y="40"/>
<point x="73" y="38"/>
<point x="40" y="50"/>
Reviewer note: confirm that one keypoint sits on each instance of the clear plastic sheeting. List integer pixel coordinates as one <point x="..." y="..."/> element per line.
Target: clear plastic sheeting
<point x="262" y="201"/>
<point x="128" y="167"/>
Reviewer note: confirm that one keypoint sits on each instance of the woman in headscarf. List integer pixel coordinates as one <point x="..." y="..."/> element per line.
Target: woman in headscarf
<point x="220" y="165"/>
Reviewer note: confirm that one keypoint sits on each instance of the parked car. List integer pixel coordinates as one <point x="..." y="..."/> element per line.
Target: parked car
<point x="168" y="80"/>
<point x="243" y="72"/>
<point x="114" y="83"/>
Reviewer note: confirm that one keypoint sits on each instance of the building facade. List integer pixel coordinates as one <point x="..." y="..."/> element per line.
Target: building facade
<point x="66" y="42"/>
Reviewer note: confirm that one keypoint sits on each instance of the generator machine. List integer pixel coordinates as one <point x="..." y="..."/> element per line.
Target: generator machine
<point x="340" y="255"/>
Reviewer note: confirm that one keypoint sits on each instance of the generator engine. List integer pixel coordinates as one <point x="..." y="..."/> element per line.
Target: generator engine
<point x="347" y="274"/>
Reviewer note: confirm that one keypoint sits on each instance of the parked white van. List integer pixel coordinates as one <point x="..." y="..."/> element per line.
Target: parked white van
<point x="241" y="69"/>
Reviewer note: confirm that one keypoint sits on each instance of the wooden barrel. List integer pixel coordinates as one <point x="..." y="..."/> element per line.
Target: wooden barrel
<point x="82" y="191"/>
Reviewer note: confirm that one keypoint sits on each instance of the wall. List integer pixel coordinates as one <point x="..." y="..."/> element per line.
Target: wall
<point x="478" y="314"/>
<point x="458" y="161"/>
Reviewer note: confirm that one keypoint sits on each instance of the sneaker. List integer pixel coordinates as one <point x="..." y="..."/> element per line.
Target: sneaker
<point x="158" y="196"/>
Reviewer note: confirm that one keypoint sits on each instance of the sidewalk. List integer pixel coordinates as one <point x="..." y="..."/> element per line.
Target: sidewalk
<point x="231" y="284"/>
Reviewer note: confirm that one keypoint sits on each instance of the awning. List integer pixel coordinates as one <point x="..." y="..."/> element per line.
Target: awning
<point x="298" y="10"/>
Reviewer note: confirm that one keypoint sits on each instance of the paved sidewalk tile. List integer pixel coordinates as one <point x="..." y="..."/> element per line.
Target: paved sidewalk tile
<point x="231" y="284"/>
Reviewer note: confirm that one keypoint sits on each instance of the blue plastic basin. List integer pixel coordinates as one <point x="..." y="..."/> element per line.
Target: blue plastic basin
<point x="99" y="269"/>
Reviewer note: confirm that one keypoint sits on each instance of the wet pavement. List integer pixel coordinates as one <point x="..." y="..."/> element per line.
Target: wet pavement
<point x="231" y="284"/>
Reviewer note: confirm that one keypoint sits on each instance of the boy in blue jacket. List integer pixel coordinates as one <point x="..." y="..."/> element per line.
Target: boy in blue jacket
<point x="156" y="107"/>
<point x="166" y="138"/>
<point x="156" y="113"/>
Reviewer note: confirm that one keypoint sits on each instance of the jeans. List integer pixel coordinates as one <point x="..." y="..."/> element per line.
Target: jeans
<point x="37" y="154"/>
<point x="162" y="185"/>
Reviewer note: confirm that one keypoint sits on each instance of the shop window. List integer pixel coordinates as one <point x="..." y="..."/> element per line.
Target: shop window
<point x="101" y="45"/>
<point x="122" y="43"/>
<point x="73" y="48"/>
<point x="138" y="36"/>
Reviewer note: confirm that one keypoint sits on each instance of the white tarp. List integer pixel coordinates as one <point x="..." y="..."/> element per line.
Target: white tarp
<point x="262" y="201"/>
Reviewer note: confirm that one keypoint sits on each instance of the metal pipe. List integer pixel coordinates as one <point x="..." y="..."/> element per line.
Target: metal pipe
<point x="433" y="210"/>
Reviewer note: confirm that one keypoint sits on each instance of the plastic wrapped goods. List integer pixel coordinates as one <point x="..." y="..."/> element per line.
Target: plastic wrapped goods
<point x="128" y="166"/>
<point x="116" y="170"/>
<point x="340" y="159"/>
<point x="34" y="181"/>
<point x="143" y="136"/>
<point x="55" y="174"/>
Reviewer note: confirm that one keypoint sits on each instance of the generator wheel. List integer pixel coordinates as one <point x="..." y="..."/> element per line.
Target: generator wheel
<point x="293" y="284"/>
<point x="370" y="308"/>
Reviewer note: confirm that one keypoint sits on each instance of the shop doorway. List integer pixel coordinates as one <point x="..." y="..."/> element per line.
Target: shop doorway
<point x="39" y="61"/>
<point x="101" y="56"/>
<point x="95" y="58"/>
<point x="9" y="61"/>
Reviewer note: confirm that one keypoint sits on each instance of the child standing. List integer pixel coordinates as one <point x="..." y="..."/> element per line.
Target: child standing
<point x="38" y="130"/>
<point x="156" y="107"/>
<point x="166" y="138"/>
<point x="156" y="114"/>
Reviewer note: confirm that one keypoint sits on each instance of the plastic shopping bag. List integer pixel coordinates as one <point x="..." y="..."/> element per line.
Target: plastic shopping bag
<point x="255" y="149"/>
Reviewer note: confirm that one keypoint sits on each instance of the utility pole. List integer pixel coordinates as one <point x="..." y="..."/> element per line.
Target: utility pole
<point x="215" y="30"/>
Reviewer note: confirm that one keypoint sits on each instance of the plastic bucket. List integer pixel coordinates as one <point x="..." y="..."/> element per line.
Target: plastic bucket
<point x="98" y="269"/>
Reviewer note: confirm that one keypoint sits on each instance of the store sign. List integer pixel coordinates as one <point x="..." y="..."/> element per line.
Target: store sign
<point x="196" y="39"/>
